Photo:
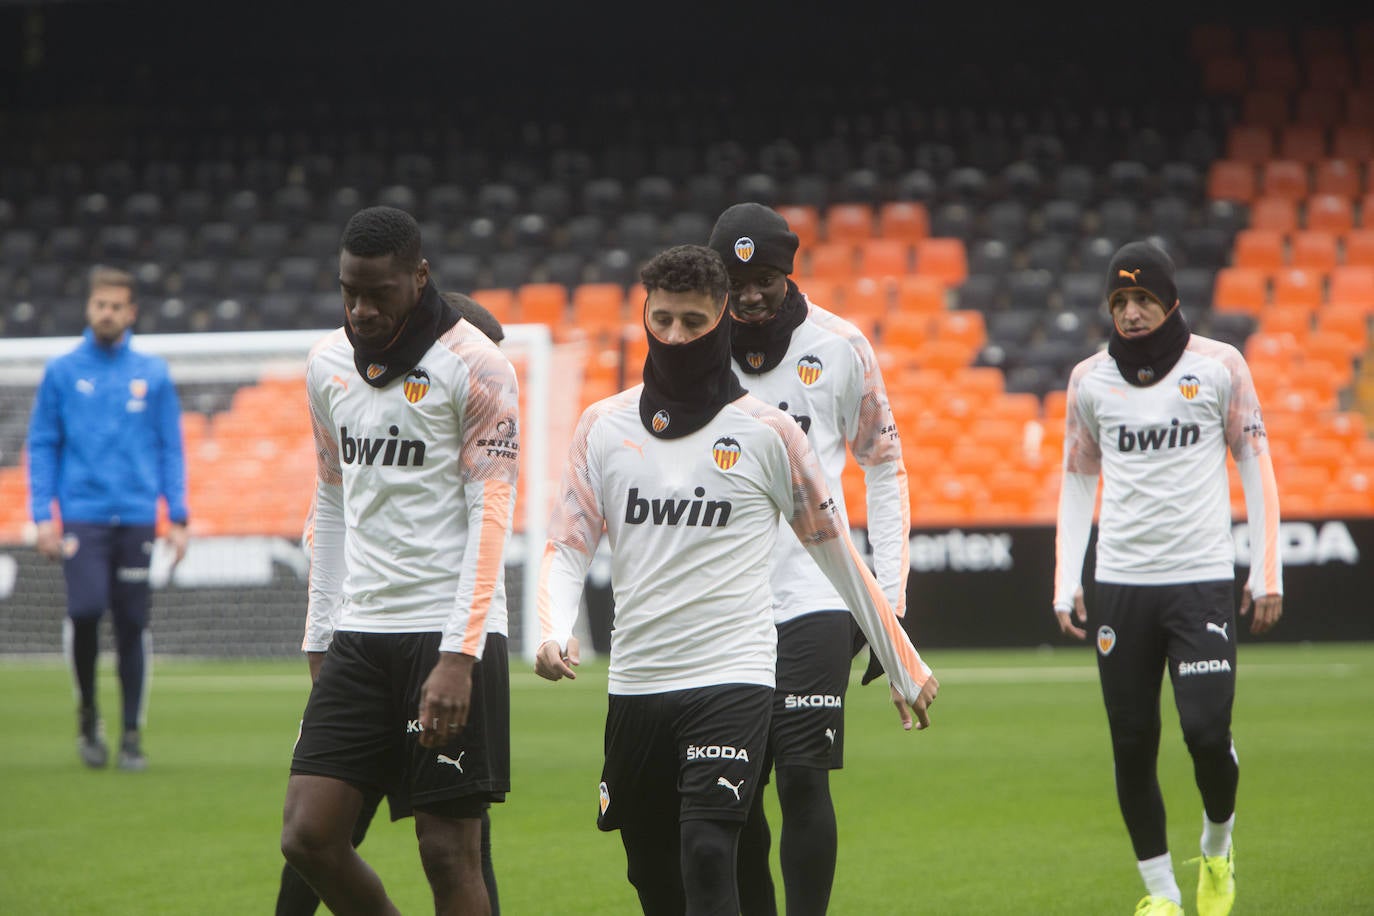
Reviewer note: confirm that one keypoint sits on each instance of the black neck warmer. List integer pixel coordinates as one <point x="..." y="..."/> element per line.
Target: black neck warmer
<point x="1144" y="360"/>
<point x="425" y="324"/>
<point x="759" y="347"/>
<point x="686" y="385"/>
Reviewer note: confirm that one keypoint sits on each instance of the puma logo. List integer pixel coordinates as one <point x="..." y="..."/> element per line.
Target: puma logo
<point x="637" y="446"/>
<point x="457" y="764"/>
<point x="1220" y="630"/>
<point x="722" y="781"/>
<point x="341" y="380"/>
<point x="1132" y="274"/>
<point x="830" y="733"/>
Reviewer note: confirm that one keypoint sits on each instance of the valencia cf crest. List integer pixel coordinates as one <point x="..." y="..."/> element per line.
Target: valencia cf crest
<point x="605" y="797"/>
<point x="1188" y="386"/>
<point x="416" y="384"/>
<point x="755" y="360"/>
<point x="744" y="248"/>
<point x="1145" y="374"/>
<point x="725" y="452"/>
<point x="374" y="370"/>
<point x="138" y="388"/>
<point x="809" y="369"/>
<point x="1106" y="640"/>
<point x="660" y="421"/>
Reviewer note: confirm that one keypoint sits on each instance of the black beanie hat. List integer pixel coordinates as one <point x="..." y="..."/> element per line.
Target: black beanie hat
<point x="1146" y="267"/>
<point x="754" y="234"/>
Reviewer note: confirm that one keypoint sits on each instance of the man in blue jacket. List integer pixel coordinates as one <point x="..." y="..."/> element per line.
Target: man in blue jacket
<point x="104" y="445"/>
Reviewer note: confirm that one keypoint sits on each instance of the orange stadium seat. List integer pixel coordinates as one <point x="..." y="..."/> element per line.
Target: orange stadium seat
<point x="848" y="223"/>
<point x="598" y="306"/>
<point x="1314" y="249"/>
<point x="885" y="258"/>
<point x="1348" y="321"/>
<point x="1231" y="179"/>
<point x="1349" y="427"/>
<point x="906" y="330"/>
<point x="1225" y="75"/>
<point x="1351" y="287"/>
<point x="1353" y="141"/>
<point x="1329" y="347"/>
<point x="1260" y="249"/>
<point x="1295" y="286"/>
<point x="1359" y="243"/>
<point x="921" y="293"/>
<point x="1277" y="72"/>
<point x="1338" y="176"/>
<point x="1329" y="213"/>
<point x="543" y="303"/>
<point x="831" y="261"/>
<point x="635" y="346"/>
<point x="1019" y="407"/>
<point x="1302" y="143"/>
<point x="805" y="221"/>
<point x="943" y="258"/>
<point x="1359" y="104"/>
<point x="500" y="302"/>
<point x="1284" y="178"/>
<point x="1329" y="72"/>
<point x="1277" y="213"/>
<point x="1262" y="108"/>
<point x="947" y="356"/>
<point x="1262" y="346"/>
<point x="1250" y="143"/>
<point x="905" y="220"/>
<point x="1319" y="108"/>
<point x="1240" y="289"/>
<point x="867" y="298"/>
<point x="964" y="326"/>
<point x="1055" y="404"/>
<point x="1287" y="319"/>
<point x="986" y="382"/>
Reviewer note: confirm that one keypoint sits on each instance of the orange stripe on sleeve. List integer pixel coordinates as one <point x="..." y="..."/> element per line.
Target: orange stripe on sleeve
<point x="497" y="498"/>
<point x="1271" y="524"/>
<point x="906" y="652"/>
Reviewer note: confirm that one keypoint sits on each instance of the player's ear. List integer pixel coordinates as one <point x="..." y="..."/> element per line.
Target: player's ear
<point x="422" y="273"/>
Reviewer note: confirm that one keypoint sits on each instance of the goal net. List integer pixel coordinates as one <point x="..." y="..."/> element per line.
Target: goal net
<point x="241" y="589"/>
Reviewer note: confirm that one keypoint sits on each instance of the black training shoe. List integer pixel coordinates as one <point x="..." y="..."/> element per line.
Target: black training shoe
<point x="90" y="739"/>
<point x="130" y="754"/>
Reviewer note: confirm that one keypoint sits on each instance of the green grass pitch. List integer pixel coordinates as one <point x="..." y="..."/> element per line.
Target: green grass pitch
<point x="1005" y="806"/>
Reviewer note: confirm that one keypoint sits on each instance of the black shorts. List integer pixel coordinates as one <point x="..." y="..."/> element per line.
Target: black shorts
<point x="683" y="755"/>
<point x="1140" y="628"/>
<point x="814" y="657"/>
<point x="360" y="725"/>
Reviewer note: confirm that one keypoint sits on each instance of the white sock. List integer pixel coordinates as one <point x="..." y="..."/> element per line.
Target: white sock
<point x="1158" y="874"/>
<point x="1216" y="838"/>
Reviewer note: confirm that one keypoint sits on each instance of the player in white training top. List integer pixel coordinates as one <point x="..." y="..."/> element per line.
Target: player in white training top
<point x="820" y="370"/>
<point x="687" y="476"/>
<point x="1154" y="417"/>
<point x="414" y="413"/>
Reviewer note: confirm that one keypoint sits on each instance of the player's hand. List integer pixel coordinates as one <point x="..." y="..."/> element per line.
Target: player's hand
<point x="921" y="705"/>
<point x="49" y="540"/>
<point x="177" y="539"/>
<point x="1080" y="610"/>
<point x="445" y="699"/>
<point x="553" y="663"/>
<point x="316" y="661"/>
<point x="1268" y="610"/>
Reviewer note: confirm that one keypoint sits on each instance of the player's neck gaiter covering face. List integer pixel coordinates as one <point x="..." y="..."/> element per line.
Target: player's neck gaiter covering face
<point x="759" y="347"/>
<point x="1144" y="360"/>
<point x="426" y="323"/>
<point x="686" y="385"/>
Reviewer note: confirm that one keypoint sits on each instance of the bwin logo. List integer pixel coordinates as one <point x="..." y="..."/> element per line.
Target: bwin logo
<point x="717" y="752"/>
<point x="1210" y="666"/>
<point x="1175" y="435"/>
<point x="698" y="512"/>
<point x="814" y="701"/>
<point x="386" y="452"/>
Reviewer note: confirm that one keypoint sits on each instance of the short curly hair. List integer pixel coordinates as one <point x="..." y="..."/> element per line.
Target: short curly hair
<point x="380" y="231"/>
<point x="687" y="269"/>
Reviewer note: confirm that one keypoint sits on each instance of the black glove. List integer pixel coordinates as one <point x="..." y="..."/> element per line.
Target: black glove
<point x="874" y="670"/>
